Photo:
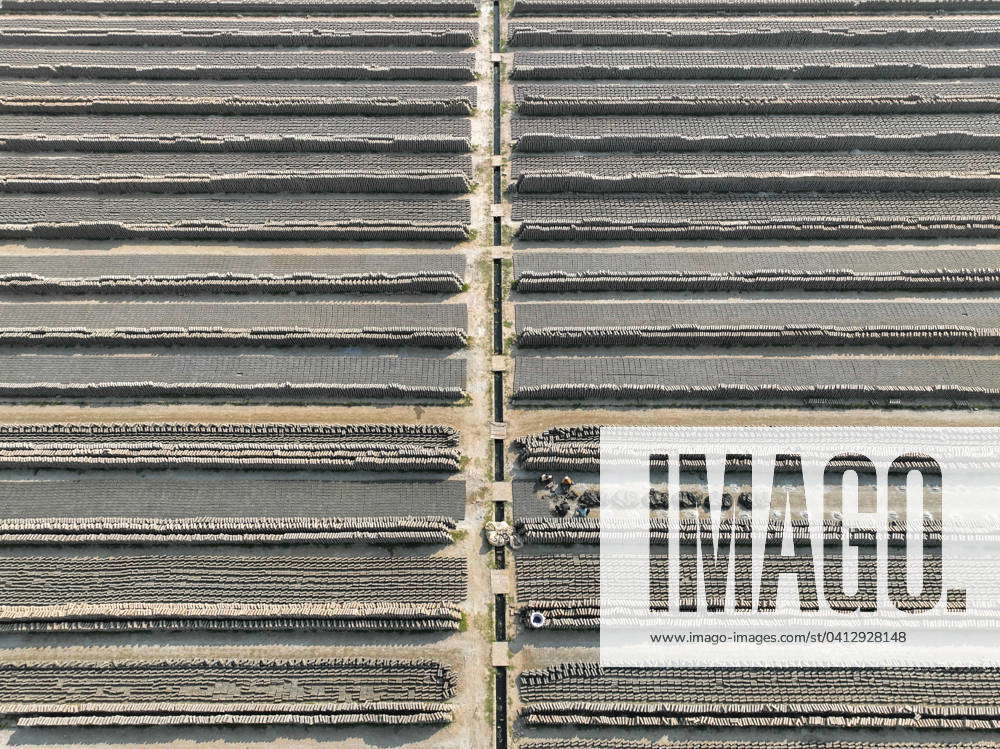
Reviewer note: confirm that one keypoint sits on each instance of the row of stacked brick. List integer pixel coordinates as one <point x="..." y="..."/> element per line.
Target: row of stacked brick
<point x="325" y="447"/>
<point x="268" y="7"/>
<point x="214" y="33"/>
<point x="544" y="528"/>
<point x="233" y="64"/>
<point x="734" y="7"/>
<point x="757" y="31"/>
<point x="440" y="325"/>
<point x="584" y="694"/>
<point x="164" y="511"/>
<point x="231" y="218"/>
<point x="858" y="63"/>
<point x="829" y="269"/>
<point x="792" y="132"/>
<point x="313" y="691"/>
<point x="568" y="324"/>
<point x="785" y="129"/>
<point x="761" y="381"/>
<point x="616" y="743"/>
<point x="250" y="591"/>
<point x="259" y="134"/>
<point x="765" y="172"/>
<point x="232" y="274"/>
<point x="768" y="216"/>
<point x="578" y="448"/>
<point x="741" y="97"/>
<point x="243" y="377"/>
<point x="237" y="97"/>
<point x="269" y="173"/>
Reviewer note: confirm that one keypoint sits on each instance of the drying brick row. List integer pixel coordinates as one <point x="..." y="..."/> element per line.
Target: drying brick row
<point x="842" y="269"/>
<point x="756" y="380"/>
<point x="225" y="173"/>
<point x="613" y="743"/>
<point x="384" y="448"/>
<point x="268" y="7"/>
<point x="235" y="323"/>
<point x="227" y="691"/>
<point x="751" y="216"/>
<point x="296" y="378"/>
<point x="774" y="31"/>
<point x="152" y="512"/>
<point x="887" y="686"/>
<point x="129" y="133"/>
<point x="749" y="7"/>
<point x="743" y="97"/>
<point x="578" y="448"/>
<point x="928" y="132"/>
<point x="165" y="31"/>
<point x="585" y="694"/>
<point x="170" y="592"/>
<point x="370" y="714"/>
<point x="755" y="64"/>
<point x="577" y="530"/>
<point x="31" y="97"/>
<point x="184" y="64"/>
<point x="856" y="171"/>
<point x="567" y="324"/>
<point x="232" y="218"/>
<point x="213" y="579"/>
<point x="383" y="531"/>
<point x="225" y="436"/>
<point x="567" y="589"/>
<point x="145" y="511"/>
<point x="122" y="274"/>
